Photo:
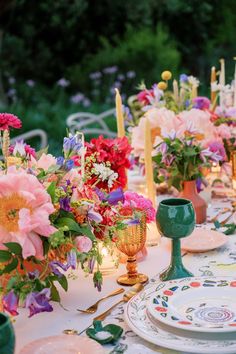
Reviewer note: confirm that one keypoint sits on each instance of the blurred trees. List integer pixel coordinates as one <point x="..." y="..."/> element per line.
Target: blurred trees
<point x="45" y="39"/>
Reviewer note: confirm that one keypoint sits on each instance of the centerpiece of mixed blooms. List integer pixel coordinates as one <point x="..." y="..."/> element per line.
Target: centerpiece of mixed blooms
<point x="54" y="213"/>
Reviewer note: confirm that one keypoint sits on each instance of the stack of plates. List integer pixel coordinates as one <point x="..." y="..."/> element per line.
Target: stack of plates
<point x="194" y="315"/>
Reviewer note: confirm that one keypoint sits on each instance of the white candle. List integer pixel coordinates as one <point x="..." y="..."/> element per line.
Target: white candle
<point x="119" y="115"/>
<point x="148" y="163"/>
<point x="222" y="80"/>
<point x="235" y="83"/>
<point x="176" y="91"/>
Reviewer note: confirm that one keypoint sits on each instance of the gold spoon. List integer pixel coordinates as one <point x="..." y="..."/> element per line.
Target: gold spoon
<point x="93" y="308"/>
<point x="221" y="212"/>
<point x="126" y="297"/>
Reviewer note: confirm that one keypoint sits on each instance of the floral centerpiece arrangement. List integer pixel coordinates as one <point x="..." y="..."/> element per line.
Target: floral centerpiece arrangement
<point x="54" y="212"/>
<point x="181" y="160"/>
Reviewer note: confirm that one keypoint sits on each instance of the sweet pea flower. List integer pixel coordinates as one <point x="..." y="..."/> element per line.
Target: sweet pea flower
<point x="44" y="162"/>
<point x="38" y="302"/>
<point x="71" y="259"/>
<point x="201" y="102"/>
<point x="224" y="131"/>
<point x="83" y="244"/>
<point x="10" y="303"/>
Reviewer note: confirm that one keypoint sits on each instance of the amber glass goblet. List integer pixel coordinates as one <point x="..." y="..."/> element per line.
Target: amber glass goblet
<point x="130" y="241"/>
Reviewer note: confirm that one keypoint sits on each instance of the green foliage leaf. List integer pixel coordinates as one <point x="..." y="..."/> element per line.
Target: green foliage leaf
<point x="5" y="256"/>
<point x="55" y="296"/>
<point x="10" y="267"/>
<point x="63" y="282"/>
<point x="73" y="226"/>
<point x="14" y="247"/>
<point x="217" y="224"/>
<point x="52" y="190"/>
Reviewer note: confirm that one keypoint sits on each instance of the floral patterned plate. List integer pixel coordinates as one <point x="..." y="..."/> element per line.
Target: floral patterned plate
<point x="140" y="322"/>
<point x="196" y="304"/>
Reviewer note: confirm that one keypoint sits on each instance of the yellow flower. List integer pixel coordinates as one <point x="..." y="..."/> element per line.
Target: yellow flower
<point x="162" y="85"/>
<point x="13" y="160"/>
<point x="166" y="75"/>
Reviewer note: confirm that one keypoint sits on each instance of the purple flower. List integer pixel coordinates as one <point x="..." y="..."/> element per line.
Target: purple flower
<point x="116" y="196"/>
<point x="60" y="160"/>
<point x="94" y="216"/>
<point x="121" y="77"/>
<point x="71" y="259"/>
<point x="30" y="83"/>
<point x="86" y="102"/>
<point x="168" y="160"/>
<point x="65" y="203"/>
<point x="199" y="185"/>
<point x="130" y="74"/>
<point x="33" y="275"/>
<point x="183" y="78"/>
<point x="216" y="147"/>
<point x="99" y="193"/>
<point x="69" y="165"/>
<point x="71" y="145"/>
<point x="204" y="154"/>
<point x="38" y="302"/>
<point x="77" y="98"/>
<point x="96" y="75"/>
<point x="11" y="93"/>
<point x="91" y="264"/>
<point x="11" y="80"/>
<point x="127" y="113"/>
<point x="110" y="70"/>
<point x="201" y="102"/>
<point x="162" y="148"/>
<point x="63" y="82"/>
<point x="10" y="303"/>
<point x="131" y="222"/>
<point x="54" y="268"/>
<point x="187" y="103"/>
<point x="170" y="135"/>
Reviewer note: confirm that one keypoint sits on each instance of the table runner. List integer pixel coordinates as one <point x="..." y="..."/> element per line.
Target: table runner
<point x="221" y="261"/>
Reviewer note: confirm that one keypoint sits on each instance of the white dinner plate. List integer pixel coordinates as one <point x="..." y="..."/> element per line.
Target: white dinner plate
<point x="196" y="304"/>
<point x="155" y="332"/>
<point x="63" y="344"/>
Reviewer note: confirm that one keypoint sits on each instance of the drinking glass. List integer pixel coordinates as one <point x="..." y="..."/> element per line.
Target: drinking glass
<point x="175" y="219"/>
<point x="7" y="336"/>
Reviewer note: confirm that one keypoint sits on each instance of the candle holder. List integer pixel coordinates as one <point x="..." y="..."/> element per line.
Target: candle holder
<point x="130" y="241"/>
<point x="110" y="259"/>
<point x="175" y="219"/>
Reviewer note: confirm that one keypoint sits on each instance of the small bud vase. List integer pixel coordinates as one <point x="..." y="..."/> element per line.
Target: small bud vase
<point x="190" y="192"/>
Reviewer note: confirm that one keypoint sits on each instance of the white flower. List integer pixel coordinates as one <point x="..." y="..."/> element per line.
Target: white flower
<point x="193" y="81"/>
<point x="19" y="148"/>
<point x="105" y="173"/>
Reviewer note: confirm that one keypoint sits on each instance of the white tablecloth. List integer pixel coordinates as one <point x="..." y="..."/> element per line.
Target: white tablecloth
<point x="82" y="293"/>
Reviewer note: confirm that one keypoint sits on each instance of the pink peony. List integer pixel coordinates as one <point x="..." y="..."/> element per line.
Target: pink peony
<point x="162" y="121"/>
<point x="135" y="200"/>
<point x="25" y="207"/>
<point x="8" y="120"/>
<point x="45" y="161"/>
<point x="224" y="131"/>
<point x="83" y="244"/>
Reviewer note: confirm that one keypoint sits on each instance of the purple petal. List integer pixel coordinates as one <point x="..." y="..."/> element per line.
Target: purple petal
<point x="38" y="302"/>
<point x="116" y="196"/>
<point x="10" y="303"/>
<point x="94" y="216"/>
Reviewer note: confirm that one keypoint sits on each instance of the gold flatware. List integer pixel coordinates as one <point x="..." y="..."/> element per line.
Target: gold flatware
<point x="227" y="219"/>
<point x="126" y="297"/>
<point x="93" y="308"/>
<point x="221" y="212"/>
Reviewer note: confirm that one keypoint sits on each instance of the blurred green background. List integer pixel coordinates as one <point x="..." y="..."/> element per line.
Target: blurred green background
<point x="65" y="56"/>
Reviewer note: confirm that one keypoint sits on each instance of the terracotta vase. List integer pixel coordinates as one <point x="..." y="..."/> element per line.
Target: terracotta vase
<point x="190" y="192"/>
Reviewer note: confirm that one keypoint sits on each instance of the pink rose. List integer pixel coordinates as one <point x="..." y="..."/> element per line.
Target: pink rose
<point x="83" y="244"/>
<point x="224" y="131"/>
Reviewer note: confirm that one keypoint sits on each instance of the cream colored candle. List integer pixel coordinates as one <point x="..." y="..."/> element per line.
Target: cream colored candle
<point x="194" y="91"/>
<point x="176" y="91"/>
<point x="235" y="84"/>
<point x="222" y="72"/>
<point x="119" y="115"/>
<point x="213" y="79"/>
<point x="148" y="163"/>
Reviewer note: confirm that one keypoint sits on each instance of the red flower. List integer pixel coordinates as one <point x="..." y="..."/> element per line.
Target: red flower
<point x="8" y="120"/>
<point x="116" y="153"/>
<point x="144" y="96"/>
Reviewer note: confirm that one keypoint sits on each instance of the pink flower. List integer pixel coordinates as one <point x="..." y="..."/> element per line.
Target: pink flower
<point x="217" y="147"/>
<point x="25" y="207"/>
<point x="8" y="120"/>
<point x="45" y="161"/>
<point x="135" y="200"/>
<point x="224" y="131"/>
<point x="83" y="244"/>
<point x="162" y="121"/>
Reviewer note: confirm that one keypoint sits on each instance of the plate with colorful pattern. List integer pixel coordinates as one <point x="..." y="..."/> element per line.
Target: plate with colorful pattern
<point x="140" y="321"/>
<point x="196" y="304"/>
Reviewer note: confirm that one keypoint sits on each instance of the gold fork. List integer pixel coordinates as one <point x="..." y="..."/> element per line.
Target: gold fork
<point x="126" y="297"/>
<point x="221" y="212"/>
<point x="93" y="308"/>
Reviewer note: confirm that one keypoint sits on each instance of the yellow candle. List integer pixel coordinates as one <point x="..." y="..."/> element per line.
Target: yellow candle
<point x="194" y="91"/>
<point x="148" y="163"/>
<point x="176" y="91"/>
<point x="213" y="79"/>
<point x="119" y="115"/>
<point x="235" y="84"/>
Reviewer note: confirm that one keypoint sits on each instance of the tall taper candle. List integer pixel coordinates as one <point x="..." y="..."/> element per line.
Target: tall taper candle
<point x="194" y="91"/>
<point x="213" y="79"/>
<point x="176" y="91"/>
<point x="222" y="72"/>
<point x="235" y="83"/>
<point x="148" y="163"/>
<point x="119" y="115"/>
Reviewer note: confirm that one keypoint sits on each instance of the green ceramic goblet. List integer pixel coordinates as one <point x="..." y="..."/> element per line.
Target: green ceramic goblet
<point x="175" y="219"/>
<point x="7" y="336"/>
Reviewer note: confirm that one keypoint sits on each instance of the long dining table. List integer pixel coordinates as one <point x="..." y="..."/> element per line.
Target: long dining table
<point x="81" y="294"/>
